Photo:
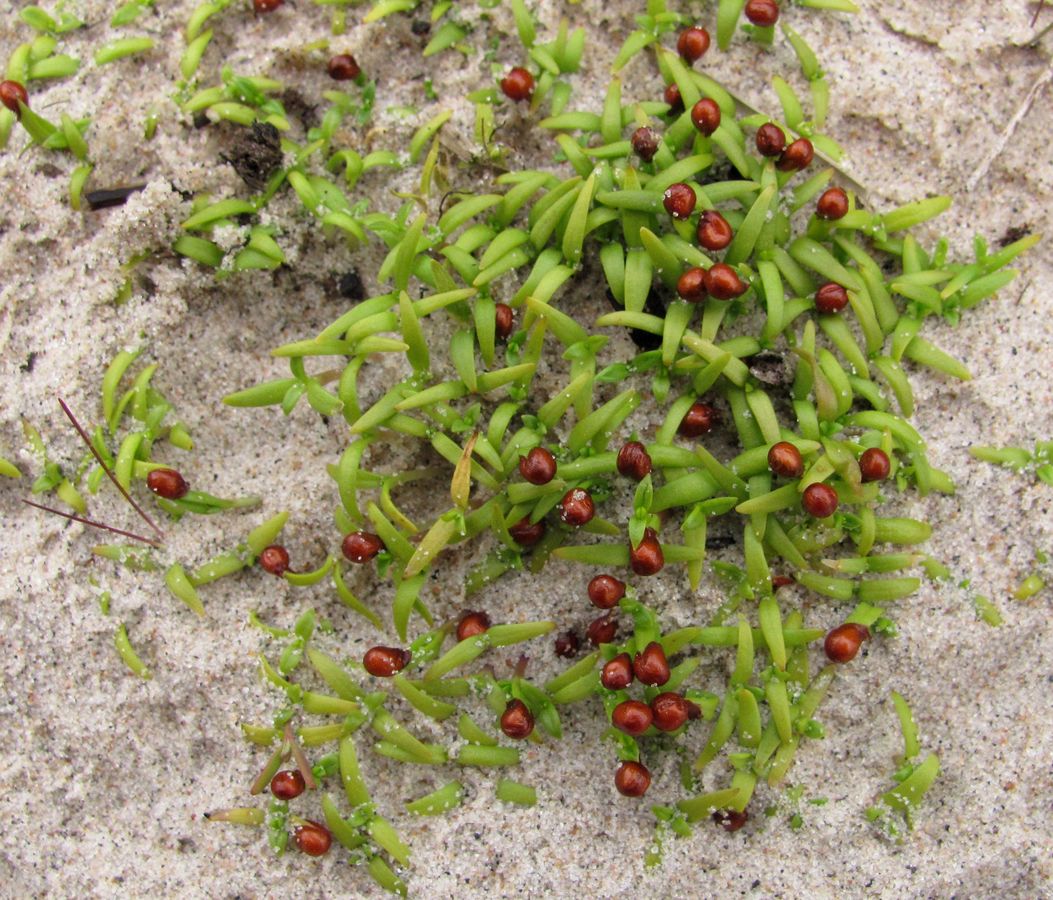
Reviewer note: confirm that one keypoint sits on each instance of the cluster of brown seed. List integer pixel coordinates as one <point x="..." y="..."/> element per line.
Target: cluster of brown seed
<point x="310" y="837"/>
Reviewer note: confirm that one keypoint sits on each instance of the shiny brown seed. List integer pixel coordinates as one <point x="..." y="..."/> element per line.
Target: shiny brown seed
<point x="538" y="466"/>
<point x="632" y="717"/>
<point x="617" y="673"/>
<point x="361" y="546"/>
<point x="723" y="282"/>
<point x="780" y="581"/>
<point x="762" y="13"/>
<point x="472" y="623"/>
<point x="874" y="464"/>
<point x="831" y="298"/>
<point x="832" y="204"/>
<point x="167" y="483"/>
<point x="730" y="819"/>
<point x="11" y="94"/>
<point x="679" y="200"/>
<point x="819" y="500"/>
<point x="312" y="838"/>
<point x="517" y="721"/>
<point x="797" y="156"/>
<point x="645" y="143"/>
<point x="504" y="321"/>
<point x="605" y="591"/>
<point x="691" y="286"/>
<point x="634" y="461"/>
<point x="698" y="420"/>
<point x="602" y="630"/>
<point x="343" y="67"/>
<point x="567" y="644"/>
<point x="526" y="534"/>
<point x="650" y="665"/>
<point x="784" y="460"/>
<point x="518" y="84"/>
<point x="383" y="662"/>
<point x="673" y="99"/>
<point x="670" y="711"/>
<point x="648" y="558"/>
<point x="266" y="6"/>
<point x="632" y="779"/>
<point x="274" y="559"/>
<point x="576" y="508"/>
<point x="288" y="785"/>
<point x="771" y="140"/>
<point x="714" y="232"/>
<point x="693" y="43"/>
<point x="706" y="116"/>
<point x="843" y="642"/>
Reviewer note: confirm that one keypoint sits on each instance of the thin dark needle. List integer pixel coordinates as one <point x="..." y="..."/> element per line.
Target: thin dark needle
<point x="1038" y="12"/>
<point x="106" y="468"/>
<point x="94" y="524"/>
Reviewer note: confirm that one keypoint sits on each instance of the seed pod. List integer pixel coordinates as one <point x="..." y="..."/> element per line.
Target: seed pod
<point x="692" y="43"/>
<point x="842" y="643"/>
<point x="361" y="546"/>
<point x="819" y="500"/>
<point x="691" y="286"/>
<point x="538" y="466"/>
<point x="698" y="420"/>
<point x="634" y="461"/>
<point x="576" y="508"/>
<point x="832" y="204"/>
<point x="383" y="662"/>
<point x="723" y="282"/>
<point x="288" y="785"/>
<point x="312" y="838"/>
<point x="567" y="644"/>
<point x="650" y="665"/>
<point x="645" y="143"/>
<point x="770" y="139"/>
<point x="730" y="819"/>
<point x="517" y="721"/>
<point x="167" y="483"/>
<point x="831" y="298"/>
<point x="504" y="321"/>
<point x="11" y="94"/>
<point x="679" y="200"/>
<point x="525" y="533"/>
<point x="518" y="84"/>
<point x="605" y="591"/>
<point x="784" y="460"/>
<point x="266" y="6"/>
<point x="471" y="624"/>
<point x="647" y="559"/>
<point x="714" y="232"/>
<point x="706" y="116"/>
<point x="602" y="630"/>
<point x="762" y="13"/>
<point x="343" y="67"/>
<point x="797" y="156"/>
<point x="274" y="559"/>
<point x="780" y="581"/>
<point x="874" y="464"/>
<point x="673" y="98"/>
<point x="632" y="717"/>
<point x="617" y="673"/>
<point x="670" y="711"/>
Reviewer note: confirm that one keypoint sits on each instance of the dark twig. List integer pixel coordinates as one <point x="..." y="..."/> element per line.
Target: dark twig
<point x="94" y="524"/>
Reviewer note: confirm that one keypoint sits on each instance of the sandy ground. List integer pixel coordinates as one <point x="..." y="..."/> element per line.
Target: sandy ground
<point x="104" y="778"/>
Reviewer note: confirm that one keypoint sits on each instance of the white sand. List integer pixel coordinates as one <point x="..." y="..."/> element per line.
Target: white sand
<point x="105" y="778"/>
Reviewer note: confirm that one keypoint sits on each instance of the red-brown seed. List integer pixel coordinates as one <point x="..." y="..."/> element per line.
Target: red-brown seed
<point x="167" y="483"/>
<point x="617" y="673"/>
<point x="784" y="460"/>
<point x="525" y="533"/>
<point x="842" y="643"/>
<point x="771" y="140"/>
<point x="567" y="644"/>
<point x="673" y="99"/>
<point x="383" y="662"/>
<point x="650" y="665"/>
<point x="11" y="94"/>
<point x="645" y="143"/>
<point x="632" y="779"/>
<point x="723" y="282"/>
<point x="288" y="785"/>
<point x="730" y="819"/>
<point x="605" y="591"/>
<point x="762" y="13"/>
<point x="648" y="558"/>
<point x="361" y="546"/>
<point x="831" y="298"/>
<point x="780" y="581"/>
<point x="632" y="717"/>
<point x="576" y="508"/>
<point x="343" y="67"/>
<point x="714" y="232"/>
<point x="517" y="721"/>
<point x="797" y="156"/>
<point x="670" y="711"/>
<point x="518" y="84"/>
<point x="538" y="466"/>
<point x="472" y="623"/>
<point x="266" y="6"/>
<point x="693" y="43"/>
<point x="634" y="461"/>
<point x="874" y="464"/>
<point x="679" y="200"/>
<point x="312" y="838"/>
<point x="706" y="116"/>
<point x="819" y="500"/>
<point x="832" y="204"/>
<point x="698" y="420"/>
<point x="602" y="630"/>
<point x="691" y="286"/>
<point x="274" y="559"/>
<point x="504" y="321"/>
